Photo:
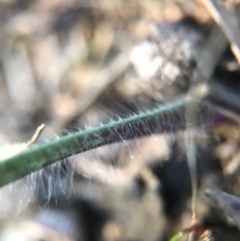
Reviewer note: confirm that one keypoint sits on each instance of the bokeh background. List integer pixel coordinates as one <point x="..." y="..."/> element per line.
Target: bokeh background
<point x="72" y="63"/>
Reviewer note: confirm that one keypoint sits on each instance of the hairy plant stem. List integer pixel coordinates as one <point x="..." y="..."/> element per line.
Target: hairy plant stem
<point x="165" y="118"/>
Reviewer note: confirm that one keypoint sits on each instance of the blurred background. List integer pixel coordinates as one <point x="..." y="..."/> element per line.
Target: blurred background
<point x="72" y="63"/>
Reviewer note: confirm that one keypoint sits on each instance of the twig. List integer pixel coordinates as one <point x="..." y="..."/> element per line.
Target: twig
<point x="36" y="135"/>
<point x="208" y="60"/>
<point x="228" y="23"/>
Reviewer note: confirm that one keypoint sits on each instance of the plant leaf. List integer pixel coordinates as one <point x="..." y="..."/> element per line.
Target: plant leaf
<point x="162" y="119"/>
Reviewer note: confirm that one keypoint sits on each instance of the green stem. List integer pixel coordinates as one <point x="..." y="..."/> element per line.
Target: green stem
<point x="176" y="237"/>
<point x="162" y="119"/>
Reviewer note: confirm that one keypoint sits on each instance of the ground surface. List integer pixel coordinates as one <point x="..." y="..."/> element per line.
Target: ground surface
<point x="68" y="64"/>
